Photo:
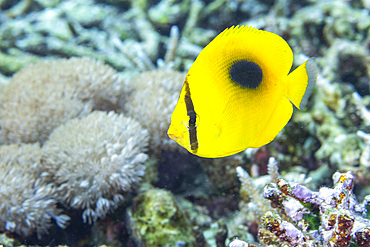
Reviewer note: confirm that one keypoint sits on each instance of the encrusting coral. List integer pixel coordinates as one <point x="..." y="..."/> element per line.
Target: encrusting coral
<point x="330" y="217"/>
<point x="152" y="102"/>
<point x="157" y="220"/>
<point x="42" y="96"/>
<point x="25" y="207"/>
<point x="92" y="161"/>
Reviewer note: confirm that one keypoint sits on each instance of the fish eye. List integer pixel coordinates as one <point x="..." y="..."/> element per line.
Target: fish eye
<point x="193" y="121"/>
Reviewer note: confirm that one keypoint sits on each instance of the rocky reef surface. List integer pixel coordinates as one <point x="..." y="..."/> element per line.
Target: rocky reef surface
<point x="86" y="92"/>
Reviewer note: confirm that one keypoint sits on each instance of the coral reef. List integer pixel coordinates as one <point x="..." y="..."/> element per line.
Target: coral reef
<point x="53" y="92"/>
<point x="26" y="206"/>
<point x="92" y="161"/>
<point x="150" y="44"/>
<point x="156" y="220"/>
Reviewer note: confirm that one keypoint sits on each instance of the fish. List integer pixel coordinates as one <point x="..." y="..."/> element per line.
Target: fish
<point x="239" y="93"/>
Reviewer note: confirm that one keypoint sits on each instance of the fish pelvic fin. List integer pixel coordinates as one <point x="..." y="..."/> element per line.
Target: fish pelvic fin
<point x="301" y="82"/>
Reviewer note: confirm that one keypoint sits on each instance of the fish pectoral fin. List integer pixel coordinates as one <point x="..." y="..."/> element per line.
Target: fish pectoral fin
<point x="301" y="82"/>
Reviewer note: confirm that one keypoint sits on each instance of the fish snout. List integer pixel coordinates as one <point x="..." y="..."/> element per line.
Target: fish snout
<point x="173" y="136"/>
<point x="173" y="133"/>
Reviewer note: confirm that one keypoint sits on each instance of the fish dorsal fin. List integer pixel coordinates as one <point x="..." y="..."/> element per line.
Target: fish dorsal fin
<point x="266" y="48"/>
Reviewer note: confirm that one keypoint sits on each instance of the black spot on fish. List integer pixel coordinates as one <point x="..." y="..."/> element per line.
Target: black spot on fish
<point x="246" y="74"/>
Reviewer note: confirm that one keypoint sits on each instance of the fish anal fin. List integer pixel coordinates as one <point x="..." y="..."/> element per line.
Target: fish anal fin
<point x="300" y="83"/>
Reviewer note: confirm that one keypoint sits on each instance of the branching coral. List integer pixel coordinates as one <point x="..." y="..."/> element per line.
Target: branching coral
<point x="154" y="98"/>
<point x="92" y="161"/>
<point x="262" y="205"/>
<point x="361" y="108"/>
<point x="253" y="205"/>
<point x="42" y="96"/>
<point x="26" y="206"/>
<point x="365" y="155"/>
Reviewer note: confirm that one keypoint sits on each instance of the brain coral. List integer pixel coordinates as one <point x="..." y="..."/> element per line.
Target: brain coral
<point x="25" y="206"/>
<point x="42" y="96"/>
<point x="152" y="103"/>
<point x="92" y="161"/>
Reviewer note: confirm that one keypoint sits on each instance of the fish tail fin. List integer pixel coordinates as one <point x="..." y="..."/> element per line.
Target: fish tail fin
<point x="301" y="83"/>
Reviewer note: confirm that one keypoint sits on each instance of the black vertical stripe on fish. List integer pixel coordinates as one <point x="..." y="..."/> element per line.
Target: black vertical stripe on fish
<point x="192" y="119"/>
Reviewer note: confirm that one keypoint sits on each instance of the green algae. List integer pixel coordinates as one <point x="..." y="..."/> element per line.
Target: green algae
<point x="159" y="221"/>
<point x="5" y="241"/>
<point x="10" y="63"/>
<point x="313" y="220"/>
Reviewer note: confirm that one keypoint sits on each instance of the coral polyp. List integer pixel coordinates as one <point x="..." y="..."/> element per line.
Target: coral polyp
<point x="93" y="161"/>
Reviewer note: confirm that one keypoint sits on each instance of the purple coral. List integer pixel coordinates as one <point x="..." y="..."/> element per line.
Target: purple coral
<point x="301" y="192"/>
<point x="333" y="216"/>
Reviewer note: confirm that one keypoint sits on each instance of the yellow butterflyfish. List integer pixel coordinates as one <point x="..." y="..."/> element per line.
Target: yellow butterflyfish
<point x="239" y="93"/>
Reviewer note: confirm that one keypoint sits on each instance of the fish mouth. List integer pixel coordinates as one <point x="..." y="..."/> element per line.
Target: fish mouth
<point x="173" y="137"/>
<point x="173" y="133"/>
